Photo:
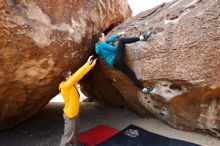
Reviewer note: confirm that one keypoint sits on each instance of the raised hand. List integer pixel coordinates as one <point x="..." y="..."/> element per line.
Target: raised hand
<point x="90" y="60"/>
<point x="94" y="62"/>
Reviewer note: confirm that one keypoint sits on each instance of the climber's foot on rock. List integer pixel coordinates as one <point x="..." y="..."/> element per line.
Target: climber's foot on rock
<point x="147" y="89"/>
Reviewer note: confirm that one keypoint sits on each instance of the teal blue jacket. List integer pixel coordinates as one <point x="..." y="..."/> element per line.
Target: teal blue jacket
<point x="106" y="50"/>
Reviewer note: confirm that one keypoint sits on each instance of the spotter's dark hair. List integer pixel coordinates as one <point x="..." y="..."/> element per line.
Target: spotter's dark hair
<point x="63" y="74"/>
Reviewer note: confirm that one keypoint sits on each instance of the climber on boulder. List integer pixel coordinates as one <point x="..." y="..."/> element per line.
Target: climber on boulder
<point x="114" y="55"/>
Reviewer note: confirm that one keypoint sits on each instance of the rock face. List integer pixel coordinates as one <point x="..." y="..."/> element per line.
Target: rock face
<point x="181" y="61"/>
<point x="38" y="39"/>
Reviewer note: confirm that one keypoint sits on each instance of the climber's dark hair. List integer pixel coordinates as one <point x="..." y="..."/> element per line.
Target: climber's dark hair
<point x="101" y="34"/>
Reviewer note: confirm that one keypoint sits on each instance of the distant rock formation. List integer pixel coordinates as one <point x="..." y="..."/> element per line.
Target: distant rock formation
<point x="40" y="38"/>
<point x="181" y="61"/>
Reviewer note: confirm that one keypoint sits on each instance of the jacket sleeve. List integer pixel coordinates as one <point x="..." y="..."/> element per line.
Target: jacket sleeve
<point x="77" y="75"/>
<point x="108" y="47"/>
<point x="97" y="51"/>
<point x="112" y="38"/>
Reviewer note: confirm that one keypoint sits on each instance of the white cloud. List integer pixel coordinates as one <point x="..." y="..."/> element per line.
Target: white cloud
<point x="141" y="5"/>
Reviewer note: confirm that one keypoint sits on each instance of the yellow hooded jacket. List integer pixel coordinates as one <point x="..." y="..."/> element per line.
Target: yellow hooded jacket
<point x="69" y="91"/>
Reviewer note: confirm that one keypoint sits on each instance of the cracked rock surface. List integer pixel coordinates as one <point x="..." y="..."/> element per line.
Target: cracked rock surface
<point x="38" y="39"/>
<point x="181" y="61"/>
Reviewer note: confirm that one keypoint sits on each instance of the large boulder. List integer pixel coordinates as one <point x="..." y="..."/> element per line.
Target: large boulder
<point x="181" y="61"/>
<point x="38" y="39"/>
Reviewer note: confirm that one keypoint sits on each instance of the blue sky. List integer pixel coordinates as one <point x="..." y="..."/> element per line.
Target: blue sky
<point x="140" y="5"/>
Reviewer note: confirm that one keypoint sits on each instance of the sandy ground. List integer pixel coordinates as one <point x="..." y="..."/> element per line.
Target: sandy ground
<point x="46" y="128"/>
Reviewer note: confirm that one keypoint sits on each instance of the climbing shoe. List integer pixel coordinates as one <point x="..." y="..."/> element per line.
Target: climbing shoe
<point x="147" y="89"/>
<point x="146" y="35"/>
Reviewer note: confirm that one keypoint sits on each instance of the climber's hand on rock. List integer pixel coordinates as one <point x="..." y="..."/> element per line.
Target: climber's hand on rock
<point x="121" y="33"/>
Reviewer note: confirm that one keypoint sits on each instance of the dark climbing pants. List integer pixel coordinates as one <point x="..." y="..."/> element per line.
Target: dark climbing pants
<point x="119" y="61"/>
